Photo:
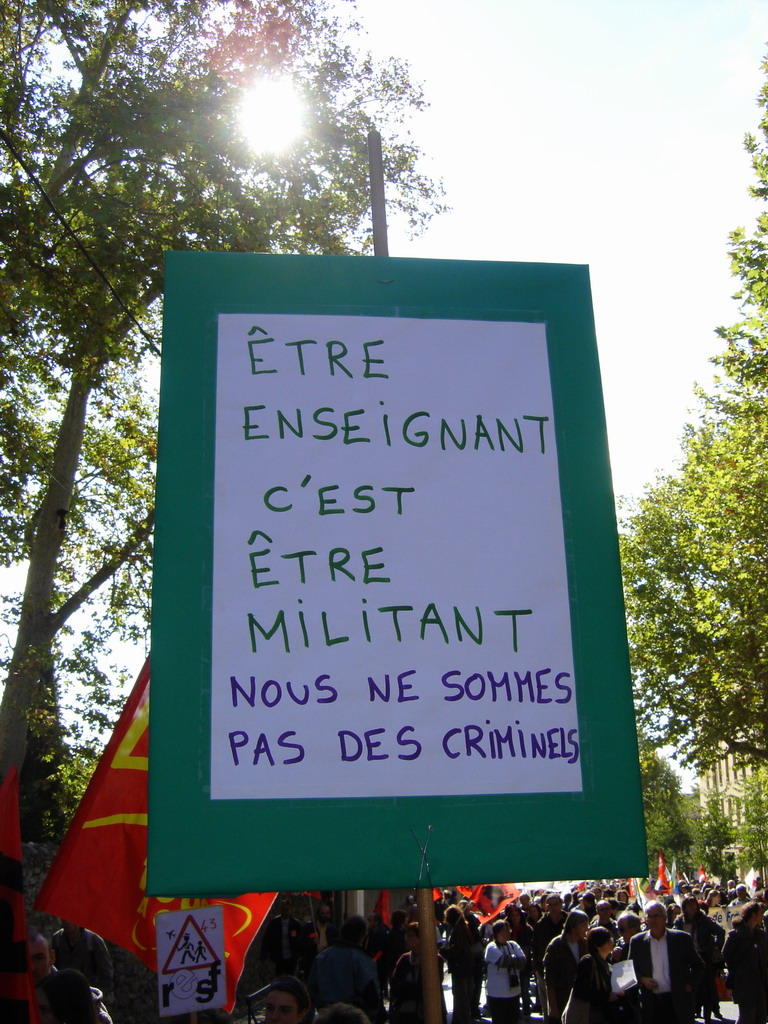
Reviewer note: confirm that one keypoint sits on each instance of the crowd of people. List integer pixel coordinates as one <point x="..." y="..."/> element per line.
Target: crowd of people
<point x="595" y="956"/>
<point x="590" y="956"/>
<point x="73" y="976"/>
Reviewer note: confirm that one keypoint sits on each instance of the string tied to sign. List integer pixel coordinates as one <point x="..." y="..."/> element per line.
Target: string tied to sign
<point x="424" y="858"/>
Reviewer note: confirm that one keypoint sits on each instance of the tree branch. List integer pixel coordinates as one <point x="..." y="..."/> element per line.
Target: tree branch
<point x="103" y="573"/>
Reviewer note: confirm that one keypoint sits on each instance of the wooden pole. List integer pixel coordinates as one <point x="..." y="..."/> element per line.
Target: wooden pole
<point x="430" y="974"/>
<point x="378" y="203"/>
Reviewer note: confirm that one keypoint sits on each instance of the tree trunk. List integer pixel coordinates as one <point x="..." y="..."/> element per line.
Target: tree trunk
<point x="31" y="653"/>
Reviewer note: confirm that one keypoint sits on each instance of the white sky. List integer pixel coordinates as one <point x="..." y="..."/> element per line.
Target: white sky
<point x="606" y="132"/>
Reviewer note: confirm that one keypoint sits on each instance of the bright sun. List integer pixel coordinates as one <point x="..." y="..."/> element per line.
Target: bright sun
<point x="271" y="115"/>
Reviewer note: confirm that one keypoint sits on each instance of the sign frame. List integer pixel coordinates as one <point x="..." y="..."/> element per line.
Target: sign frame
<point x="374" y="842"/>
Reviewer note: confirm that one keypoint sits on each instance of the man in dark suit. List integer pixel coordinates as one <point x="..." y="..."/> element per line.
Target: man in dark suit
<point x="281" y="940"/>
<point x="668" y="968"/>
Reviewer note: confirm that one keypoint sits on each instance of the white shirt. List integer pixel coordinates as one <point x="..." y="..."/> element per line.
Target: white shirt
<point x="660" y="962"/>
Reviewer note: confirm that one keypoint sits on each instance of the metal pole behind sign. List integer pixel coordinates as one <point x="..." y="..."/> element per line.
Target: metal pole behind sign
<point x="378" y="202"/>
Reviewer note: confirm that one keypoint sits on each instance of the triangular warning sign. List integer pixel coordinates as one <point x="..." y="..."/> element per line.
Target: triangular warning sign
<point x="191" y="951"/>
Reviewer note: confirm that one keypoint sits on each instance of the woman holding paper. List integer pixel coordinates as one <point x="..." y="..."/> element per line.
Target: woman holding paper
<point x="593" y="1000"/>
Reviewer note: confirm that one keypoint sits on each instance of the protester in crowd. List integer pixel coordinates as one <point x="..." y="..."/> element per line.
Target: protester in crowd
<point x="533" y="914"/>
<point x="344" y="973"/>
<point x="561" y="960"/>
<point x="281" y="940"/>
<point x="674" y="911"/>
<point x="406" y="1004"/>
<point x="396" y="941"/>
<point x="746" y="956"/>
<point x="550" y="926"/>
<point x="604" y="918"/>
<point x="629" y="924"/>
<point x="84" y="951"/>
<point x="477" y="946"/>
<point x="740" y="896"/>
<point x="588" y="903"/>
<point x="41" y="956"/>
<point x="287" y="1001"/>
<point x="64" y="997"/>
<point x="458" y="953"/>
<point x="315" y="936"/>
<point x="505" y="961"/>
<point x="708" y="938"/>
<point x="522" y="933"/>
<point x="42" y="960"/>
<point x="668" y="968"/>
<point x="375" y="945"/>
<point x="592" y="983"/>
<point x="341" y="1013"/>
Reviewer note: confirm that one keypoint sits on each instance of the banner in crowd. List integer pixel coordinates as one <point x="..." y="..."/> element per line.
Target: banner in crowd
<point x="725" y="916"/>
<point x="387" y="592"/>
<point x="98" y="879"/>
<point x="17" y="994"/>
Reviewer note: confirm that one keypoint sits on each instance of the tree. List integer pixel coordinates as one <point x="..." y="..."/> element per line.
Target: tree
<point x="667" y="818"/>
<point x="714" y="837"/>
<point x="745" y="359"/>
<point x="694" y="548"/>
<point x="119" y="141"/>
<point x="696" y="590"/>
<point x="752" y="832"/>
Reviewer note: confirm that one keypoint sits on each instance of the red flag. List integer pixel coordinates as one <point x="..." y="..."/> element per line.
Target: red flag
<point x="383" y="907"/>
<point x="18" y="1004"/>
<point x="663" y="882"/>
<point x="98" y="879"/>
<point x="702" y="875"/>
<point x="490" y="900"/>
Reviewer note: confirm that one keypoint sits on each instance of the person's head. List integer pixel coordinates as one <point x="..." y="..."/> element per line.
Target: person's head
<point x="341" y="1013"/>
<point x="751" y="915"/>
<point x="65" y="997"/>
<point x="514" y="915"/>
<point x="576" y="925"/>
<point x="690" y="907"/>
<point x="524" y="899"/>
<point x="287" y="1001"/>
<point x="673" y="911"/>
<point x="604" y="912"/>
<point x="399" y="920"/>
<point x="599" y="942"/>
<point x="534" y="913"/>
<point x="713" y="898"/>
<point x="72" y="931"/>
<point x="353" y="930"/>
<point x="500" y="931"/>
<point x="588" y="902"/>
<point x="41" y="955"/>
<point x="324" y="913"/>
<point x="742" y="893"/>
<point x="285" y="908"/>
<point x="629" y="924"/>
<point x="453" y="914"/>
<point x="412" y="936"/>
<point x="374" y="921"/>
<point x="623" y="897"/>
<point x="655" y="918"/>
<point x="554" y="906"/>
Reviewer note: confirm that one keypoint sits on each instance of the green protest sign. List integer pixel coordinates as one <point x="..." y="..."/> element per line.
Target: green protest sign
<point x="387" y="593"/>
